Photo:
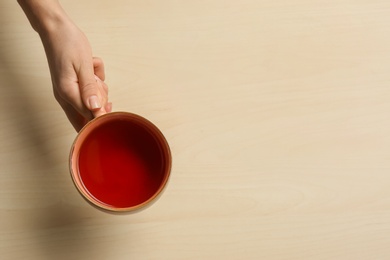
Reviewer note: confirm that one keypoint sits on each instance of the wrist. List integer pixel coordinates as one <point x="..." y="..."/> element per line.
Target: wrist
<point x="44" y="15"/>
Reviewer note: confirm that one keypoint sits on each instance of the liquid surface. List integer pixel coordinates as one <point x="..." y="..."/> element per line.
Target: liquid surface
<point x="120" y="164"/>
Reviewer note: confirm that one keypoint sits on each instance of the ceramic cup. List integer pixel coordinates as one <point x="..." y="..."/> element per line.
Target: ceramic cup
<point x="120" y="162"/>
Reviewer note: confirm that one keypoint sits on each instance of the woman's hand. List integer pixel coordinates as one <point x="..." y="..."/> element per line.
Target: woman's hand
<point x="77" y="77"/>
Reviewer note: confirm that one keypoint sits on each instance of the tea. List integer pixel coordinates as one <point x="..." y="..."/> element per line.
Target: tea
<point x="121" y="164"/>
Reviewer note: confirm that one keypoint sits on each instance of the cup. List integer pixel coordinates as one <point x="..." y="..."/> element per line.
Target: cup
<point x="120" y="162"/>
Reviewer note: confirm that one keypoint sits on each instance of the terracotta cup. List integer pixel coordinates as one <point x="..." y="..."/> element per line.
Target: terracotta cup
<point x="120" y="162"/>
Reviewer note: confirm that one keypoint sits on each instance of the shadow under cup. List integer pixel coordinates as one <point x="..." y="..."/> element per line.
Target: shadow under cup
<point x="120" y="162"/>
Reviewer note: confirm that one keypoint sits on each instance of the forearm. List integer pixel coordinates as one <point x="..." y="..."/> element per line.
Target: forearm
<point x="44" y="15"/>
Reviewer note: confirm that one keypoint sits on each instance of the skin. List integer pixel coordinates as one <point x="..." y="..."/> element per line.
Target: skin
<point x="77" y="76"/>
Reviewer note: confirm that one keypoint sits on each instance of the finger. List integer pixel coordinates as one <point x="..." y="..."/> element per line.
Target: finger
<point x="68" y="93"/>
<point x="77" y="120"/>
<point x="89" y="87"/>
<point x="103" y="93"/>
<point x="98" y="68"/>
<point x="108" y="107"/>
<point x="105" y="88"/>
<point x="99" y="112"/>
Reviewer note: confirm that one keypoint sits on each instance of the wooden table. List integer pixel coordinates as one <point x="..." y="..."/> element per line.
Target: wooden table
<point x="277" y="113"/>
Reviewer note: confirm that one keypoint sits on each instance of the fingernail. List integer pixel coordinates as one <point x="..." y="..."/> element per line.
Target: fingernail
<point x="94" y="102"/>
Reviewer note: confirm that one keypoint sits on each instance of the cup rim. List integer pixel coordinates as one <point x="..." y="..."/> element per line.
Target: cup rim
<point x="153" y="129"/>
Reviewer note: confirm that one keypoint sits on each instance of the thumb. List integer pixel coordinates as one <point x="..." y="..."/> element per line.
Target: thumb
<point x="89" y="88"/>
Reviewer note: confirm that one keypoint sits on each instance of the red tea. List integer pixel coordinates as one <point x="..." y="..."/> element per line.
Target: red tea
<point x="120" y="164"/>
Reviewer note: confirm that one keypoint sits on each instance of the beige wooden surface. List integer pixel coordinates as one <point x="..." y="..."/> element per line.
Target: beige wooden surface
<point x="277" y="113"/>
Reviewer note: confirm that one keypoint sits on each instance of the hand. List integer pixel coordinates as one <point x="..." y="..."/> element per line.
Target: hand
<point x="77" y="77"/>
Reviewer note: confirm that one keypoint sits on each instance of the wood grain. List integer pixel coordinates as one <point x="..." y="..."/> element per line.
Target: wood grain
<point x="277" y="113"/>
